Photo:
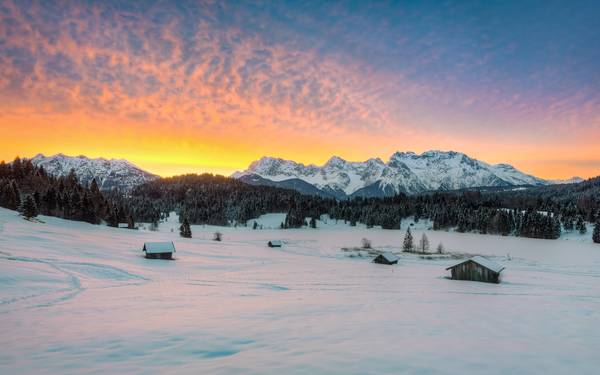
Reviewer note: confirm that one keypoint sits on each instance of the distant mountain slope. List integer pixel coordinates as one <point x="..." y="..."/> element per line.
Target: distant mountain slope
<point x="405" y="172"/>
<point x="109" y="173"/>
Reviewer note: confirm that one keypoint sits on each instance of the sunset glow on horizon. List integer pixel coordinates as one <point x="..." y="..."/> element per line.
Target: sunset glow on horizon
<point x="192" y="87"/>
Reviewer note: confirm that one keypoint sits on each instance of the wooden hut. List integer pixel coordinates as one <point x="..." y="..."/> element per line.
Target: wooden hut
<point x="275" y="243"/>
<point x="159" y="250"/>
<point x="476" y="269"/>
<point x="386" y="258"/>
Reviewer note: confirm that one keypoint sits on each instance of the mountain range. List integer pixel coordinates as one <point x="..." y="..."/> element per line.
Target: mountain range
<point x="405" y="172"/>
<point x="109" y="173"/>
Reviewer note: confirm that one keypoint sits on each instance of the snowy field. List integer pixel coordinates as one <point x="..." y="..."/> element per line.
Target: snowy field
<point x="78" y="298"/>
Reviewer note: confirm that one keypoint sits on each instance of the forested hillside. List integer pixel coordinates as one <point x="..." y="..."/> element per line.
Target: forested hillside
<point x="28" y="188"/>
<point x="538" y="213"/>
<point x="218" y="200"/>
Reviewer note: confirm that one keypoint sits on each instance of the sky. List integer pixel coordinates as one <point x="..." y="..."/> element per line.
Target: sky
<point x="192" y="86"/>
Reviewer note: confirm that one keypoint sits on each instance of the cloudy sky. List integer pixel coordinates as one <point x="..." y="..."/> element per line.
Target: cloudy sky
<point x="194" y="86"/>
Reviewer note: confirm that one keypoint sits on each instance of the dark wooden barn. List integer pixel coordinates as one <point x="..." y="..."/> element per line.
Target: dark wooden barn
<point x="159" y="250"/>
<point x="386" y="258"/>
<point x="476" y="269"/>
<point x="275" y="243"/>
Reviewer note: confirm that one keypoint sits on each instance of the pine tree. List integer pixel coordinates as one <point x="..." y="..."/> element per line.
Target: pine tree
<point x="28" y="208"/>
<point x="113" y="219"/>
<point x="568" y="224"/>
<point x="408" y="244"/>
<point x="184" y="230"/>
<point x="556" y="229"/>
<point x="94" y="187"/>
<point x="255" y="225"/>
<point x="72" y="178"/>
<point x="50" y="200"/>
<point x="14" y="200"/>
<point x="596" y="234"/>
<point x="581" y="225"/>
<point x="130" y="222"/>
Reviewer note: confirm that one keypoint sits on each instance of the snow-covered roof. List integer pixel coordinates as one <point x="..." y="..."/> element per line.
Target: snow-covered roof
<point x="390" y="257"/>
<point x="159" y="247"/>
<point x="482" y="262"/>
<point x="276" y="242"/>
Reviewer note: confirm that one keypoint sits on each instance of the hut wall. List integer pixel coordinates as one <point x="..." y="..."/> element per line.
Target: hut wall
<point x="474" y="272"/>
<point x="159" y="256"/>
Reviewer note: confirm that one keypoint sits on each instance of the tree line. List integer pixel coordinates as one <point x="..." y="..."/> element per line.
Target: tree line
<point x="217" y="200"/>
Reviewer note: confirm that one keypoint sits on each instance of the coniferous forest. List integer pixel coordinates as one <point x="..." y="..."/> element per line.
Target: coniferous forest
<point x="543" y="212"/>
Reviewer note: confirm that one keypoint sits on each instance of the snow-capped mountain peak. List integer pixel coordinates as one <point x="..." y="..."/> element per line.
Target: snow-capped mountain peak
<point x="109" y="173"/>
<point x="406" y="172"/>
<point x="335" y="162"/>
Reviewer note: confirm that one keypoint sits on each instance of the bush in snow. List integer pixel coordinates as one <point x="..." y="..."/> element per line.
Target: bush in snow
<point x="440" y="248"/>
<point x="365" y="243"/>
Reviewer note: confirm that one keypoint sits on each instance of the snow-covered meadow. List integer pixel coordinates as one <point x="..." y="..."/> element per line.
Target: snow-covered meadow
<point x="79" y="298"/>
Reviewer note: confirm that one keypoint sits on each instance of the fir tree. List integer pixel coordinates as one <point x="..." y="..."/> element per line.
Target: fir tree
<point x="408" y="244"/>
<point x="28" y="208"/>
<point x="184" y="230"/>
<point x="313" y="222"/>
<point x="113" y="219"/>
<point x="130" y="222"/>
<point x="581" y="225"/>
<point x="568" y="224"/>
<point x="72" y="178"/>
<point x="596" y="234"/>
<point x="94" y="187"/>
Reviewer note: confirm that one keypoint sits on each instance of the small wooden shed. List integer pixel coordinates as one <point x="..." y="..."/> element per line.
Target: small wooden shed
<point x="386" y="258"/>
<point x="159" y="250"/>
<point x="476" y="269"/>
<point x="275" y="243"/>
